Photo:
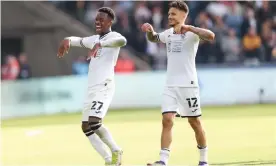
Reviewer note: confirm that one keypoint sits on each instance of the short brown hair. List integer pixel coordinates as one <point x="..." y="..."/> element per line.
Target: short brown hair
<point x="180" y="5"/>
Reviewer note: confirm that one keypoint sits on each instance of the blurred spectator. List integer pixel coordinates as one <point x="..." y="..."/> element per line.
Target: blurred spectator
<point x="264" y="12"/>
<point x="203" y="18"/>
<point x="160" y="59"/>
<point x="157" y="18"/>
<point x="80" y="10"/>
<point x="10" y="70"/>
<point x="142" y="13"/>
<point x="267" y="39"/>
<point x="252" y="46"/>
<point x="217" y="9"/>
<point x="80" y="66"/>
<point x="248" y="21"/>
<point x="274" y="23"/>
<point x="220" y="29"/>
<point x="25" y="69"/>
<point x="123" y="25"/>
<point x="231" y="46"/>
<point x="124" y="63"/>
<point x="152" y="51"/>
<point x="219" y="16"/>
<point x="90" y="15"/>
<point x="233" y="19"/>
<point x="273" y="46"/>
<point x="205" y="51"/>
<point x="274" y="54"/>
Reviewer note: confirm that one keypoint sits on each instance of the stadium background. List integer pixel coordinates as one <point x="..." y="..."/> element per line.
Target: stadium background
<point x="41" y="95"/>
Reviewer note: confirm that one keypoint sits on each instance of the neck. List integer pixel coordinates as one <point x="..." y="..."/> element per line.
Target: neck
<point x="177" y="28"/>
<point x="105" y="32"/>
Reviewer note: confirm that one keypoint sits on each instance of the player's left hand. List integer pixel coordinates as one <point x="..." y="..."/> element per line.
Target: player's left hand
<point x="185" y="28"/>
<point x="94" y="50"/>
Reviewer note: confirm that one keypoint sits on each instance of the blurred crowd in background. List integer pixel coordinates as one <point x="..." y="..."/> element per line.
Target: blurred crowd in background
<point x="245" y="31"/>
<point x="15" y="67"/>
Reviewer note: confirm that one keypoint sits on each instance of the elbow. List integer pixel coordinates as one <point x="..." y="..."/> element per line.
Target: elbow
<point x="124" y="42"/>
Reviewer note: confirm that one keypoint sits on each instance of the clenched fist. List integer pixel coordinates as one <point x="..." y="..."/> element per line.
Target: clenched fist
<point x="146" y="27"/>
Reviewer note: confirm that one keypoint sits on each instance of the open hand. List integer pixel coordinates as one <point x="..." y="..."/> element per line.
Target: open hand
<point x="93" y="52"/>
<point x="63" y="48"/>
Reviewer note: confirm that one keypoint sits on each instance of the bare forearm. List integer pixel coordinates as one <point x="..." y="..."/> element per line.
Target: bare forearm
<point x="204" y="34"/>
<point x="152" y="36"/>
<point x="114" y="42"/>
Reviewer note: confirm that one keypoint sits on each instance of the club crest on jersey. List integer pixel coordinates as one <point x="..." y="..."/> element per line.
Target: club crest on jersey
<point x="183" y="35"/>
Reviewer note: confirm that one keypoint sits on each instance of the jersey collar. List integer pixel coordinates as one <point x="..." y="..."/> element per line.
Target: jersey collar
<point x="103" y="35"/>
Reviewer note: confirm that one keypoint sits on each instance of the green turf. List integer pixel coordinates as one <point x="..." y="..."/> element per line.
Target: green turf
<point x="236" y="135"/>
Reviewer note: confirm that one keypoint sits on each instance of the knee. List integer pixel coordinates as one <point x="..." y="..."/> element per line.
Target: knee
<point x="86" y="129"/>
<point x="94" y="123"/>
<point x="195" y="122"/>
<point x="167" y="121"/>
<point x="91" y="126"/>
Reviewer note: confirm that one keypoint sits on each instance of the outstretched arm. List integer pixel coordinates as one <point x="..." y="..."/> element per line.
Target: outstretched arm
<point x="86" y="42"/>
<point x="73" y="41"/>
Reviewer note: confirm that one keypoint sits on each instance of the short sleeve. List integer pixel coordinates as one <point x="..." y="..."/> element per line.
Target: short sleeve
<point x="195" y="37"/>
<point x="88" y="42"/>
<point x="161" y="37"/>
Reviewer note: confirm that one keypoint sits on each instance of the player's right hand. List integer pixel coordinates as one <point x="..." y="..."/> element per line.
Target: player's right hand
<point x="63" y="48"/>
<point x="94" y="51"/>
<point x="146" y="27"/>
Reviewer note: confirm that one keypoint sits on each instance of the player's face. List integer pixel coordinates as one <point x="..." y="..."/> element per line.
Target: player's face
<point x="176" y="17"/>
<point x="102" y="23"/>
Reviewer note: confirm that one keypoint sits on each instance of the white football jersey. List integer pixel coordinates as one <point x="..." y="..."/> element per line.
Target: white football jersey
<point x="101" y="67"/>
<point x="181" y="54"/>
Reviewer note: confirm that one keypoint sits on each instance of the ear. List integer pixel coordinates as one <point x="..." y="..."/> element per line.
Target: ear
<point x="111" y="22"/>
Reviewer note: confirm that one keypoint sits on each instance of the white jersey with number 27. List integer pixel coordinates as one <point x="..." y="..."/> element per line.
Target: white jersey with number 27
<point x="101" y="67"/>
<point x="181" y="53"/>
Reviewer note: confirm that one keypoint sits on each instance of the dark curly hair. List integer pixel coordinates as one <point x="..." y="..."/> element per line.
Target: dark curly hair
<point x="108" y="11"/>
<point x="180" y="5"/>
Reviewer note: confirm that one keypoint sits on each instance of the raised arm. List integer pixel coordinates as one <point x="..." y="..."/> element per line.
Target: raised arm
<point x="153" y="37"/>
<point x="203" y="34"/>
<point x="151" y="34"/>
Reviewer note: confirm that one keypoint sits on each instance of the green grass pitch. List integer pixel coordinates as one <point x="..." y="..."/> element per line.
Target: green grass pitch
<point x="237" y="135"/>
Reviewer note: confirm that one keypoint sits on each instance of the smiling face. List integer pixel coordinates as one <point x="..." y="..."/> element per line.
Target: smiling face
<point x="176" y="16"/>
<point x="177" y="13"/>
<point x="102" y="23"/>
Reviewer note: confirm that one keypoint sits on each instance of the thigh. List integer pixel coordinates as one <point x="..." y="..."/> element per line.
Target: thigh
<point x="189" y="102"/>
<point x="97" y="103"/>
<point x="169" y="103"/>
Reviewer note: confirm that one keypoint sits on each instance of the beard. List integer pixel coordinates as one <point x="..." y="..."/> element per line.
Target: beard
<point x="174" y="23"/>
